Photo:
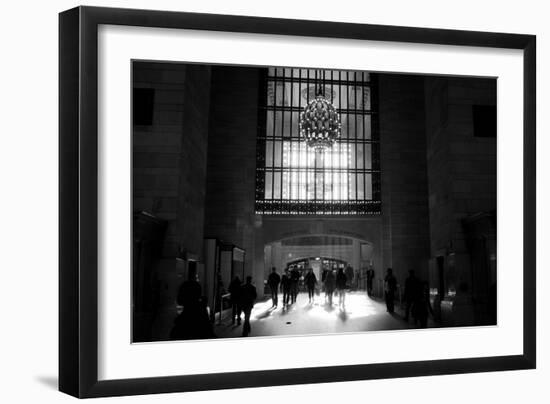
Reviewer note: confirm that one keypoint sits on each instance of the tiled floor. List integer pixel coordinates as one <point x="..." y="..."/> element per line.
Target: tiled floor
<point x="360" y="313"/>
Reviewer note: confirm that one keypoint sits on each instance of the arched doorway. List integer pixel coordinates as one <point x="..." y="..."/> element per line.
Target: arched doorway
<point x="319" y="265"/>
<point x="319" y="252"/>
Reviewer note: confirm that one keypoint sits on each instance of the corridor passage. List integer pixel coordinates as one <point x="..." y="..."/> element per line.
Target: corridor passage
<point x="360" y="313"/>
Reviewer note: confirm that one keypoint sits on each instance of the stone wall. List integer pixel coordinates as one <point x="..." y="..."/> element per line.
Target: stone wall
<point x="462" y="184"/>
<point x="169" y="172"/>
<point x="231" y="181"/>
<point x="169" y="156"/>
<point x="406" y="238"/>
<point x="462" y="168"/>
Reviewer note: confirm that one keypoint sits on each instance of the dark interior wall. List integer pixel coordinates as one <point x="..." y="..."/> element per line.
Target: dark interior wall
<point x="231" y="181"/>
<point x="169" y="177"/>
<point x="439" y="163"/>
<point x="169" y="156"/>
<point x="405" y="220"/>
<point x="193" y="158"/>
<point x="461" y="166"/>
<point x="156" y="147"/>
<point x="462" y="179"/>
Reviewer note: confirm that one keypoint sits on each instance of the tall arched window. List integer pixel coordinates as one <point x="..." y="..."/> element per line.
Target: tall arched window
<point x="292" y="178"/>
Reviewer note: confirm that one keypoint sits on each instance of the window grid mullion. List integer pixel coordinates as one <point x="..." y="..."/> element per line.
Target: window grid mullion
<point x="275" y="84"/>
<point x="320" y="168"/>
<point x="281" y="192"/>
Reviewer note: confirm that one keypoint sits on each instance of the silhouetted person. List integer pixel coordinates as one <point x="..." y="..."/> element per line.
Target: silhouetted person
<point x="341" y="285"/>
<point x="285" y="287"/>
<point x="390" y="285"/>
<point x="248" y="297"/>
<point x="349" y="276"/>
<point x="235" y="290"/>
<point x="370" y="281"/>
<point x="422" y="307"/>
<point x="411" y="293"/>
<point x="330" y="284"/>
<point x="294" y="278"/>
<point x="324" y="273"/>
<point x="273" y="281"/>
<point x="193" y="322"/>
<point x="310" y="280"/>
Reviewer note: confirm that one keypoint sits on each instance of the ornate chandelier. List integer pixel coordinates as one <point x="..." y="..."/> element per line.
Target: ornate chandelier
<point x="320" y="123"/>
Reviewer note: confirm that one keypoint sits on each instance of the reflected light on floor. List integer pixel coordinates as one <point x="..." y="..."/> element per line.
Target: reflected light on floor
<point x="356" y="305"/>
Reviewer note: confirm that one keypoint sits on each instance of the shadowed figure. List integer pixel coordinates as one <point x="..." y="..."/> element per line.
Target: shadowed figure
<point x="235" y="291"/>
<point x="330" y="284"/>
<point x="248" y="297"/>
<point x="294" y="279"/>
<point x="349" y="277"/>
<point x="422" y="307"/>
<point x="411" y="293"/>
<point x="193" y="322"/>
<point x="273" y="282"/>
<point x="310" y="280"/>
<point x="370" y="281"/>
<point x="390" y="285"/>
<point x="285" y="287"/>
<point x="341" y="285"/>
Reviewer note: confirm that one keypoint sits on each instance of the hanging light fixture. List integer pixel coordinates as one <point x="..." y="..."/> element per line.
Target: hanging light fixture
<point x="320" y="122"/>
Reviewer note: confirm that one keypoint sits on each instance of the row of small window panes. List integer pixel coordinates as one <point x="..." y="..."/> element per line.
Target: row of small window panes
<point x="353" y="126"/>
<point x="301" y="207"/>
<point x="300" y="155"/>
<point x="300" y="94"/>
<point x="322" y="210"/>
<point x="318" y="241"/>
<point x="319" y="74"/>
<point x="347" y="211"/>
<point x="325" y="186"/>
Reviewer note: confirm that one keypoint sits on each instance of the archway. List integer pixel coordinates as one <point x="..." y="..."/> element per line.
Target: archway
<point x="319" y="252"/>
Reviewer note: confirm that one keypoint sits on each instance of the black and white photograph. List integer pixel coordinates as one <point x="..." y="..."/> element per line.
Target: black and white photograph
<point x="273" y="201"/>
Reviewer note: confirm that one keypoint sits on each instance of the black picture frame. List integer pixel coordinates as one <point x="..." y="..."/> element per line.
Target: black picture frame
<point x="78" y="196"/>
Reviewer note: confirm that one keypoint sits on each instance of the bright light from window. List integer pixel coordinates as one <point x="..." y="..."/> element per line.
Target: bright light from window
<point x="293" y="178"/>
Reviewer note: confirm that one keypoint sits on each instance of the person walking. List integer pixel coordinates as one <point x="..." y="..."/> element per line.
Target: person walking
<point x="422" y="307"/>
<point x="341" y="285"/>
<point x="349" y="277"/>
<point x="370" y="281"/>
<point x="193" y="322"/>
<point x="235" y="300"/>
<point x="294" y="280"/>
<point x="323" y="277"/>
<point x="285" y="287"/>
<point x="330" y="284"/>
<point x="273" y="282"/>
<point x="248" y="297"/>
<point x="390" y="286"/>
<point x="411" y="293"/>
<point x="310" y="281"/>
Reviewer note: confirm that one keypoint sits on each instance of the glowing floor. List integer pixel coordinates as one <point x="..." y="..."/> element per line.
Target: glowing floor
<point x="360" y="313"/>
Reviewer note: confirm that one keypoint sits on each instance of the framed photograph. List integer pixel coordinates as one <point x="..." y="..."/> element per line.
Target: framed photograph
<point x="251" y="201"/>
